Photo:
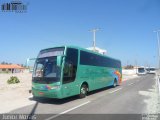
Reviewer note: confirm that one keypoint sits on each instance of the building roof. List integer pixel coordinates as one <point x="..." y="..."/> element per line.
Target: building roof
<point x="99" y="50"/>
<point x="12" y="66"/>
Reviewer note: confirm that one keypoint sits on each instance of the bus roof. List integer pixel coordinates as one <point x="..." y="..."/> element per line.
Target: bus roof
<point x="76" y="47"/>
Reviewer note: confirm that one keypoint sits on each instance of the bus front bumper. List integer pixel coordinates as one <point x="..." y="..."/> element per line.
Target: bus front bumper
<point x="55" y="93"/>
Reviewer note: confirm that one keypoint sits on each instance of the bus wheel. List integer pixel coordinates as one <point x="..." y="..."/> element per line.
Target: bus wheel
<point x="115" y="83"/>
<point x="83" y="91"/>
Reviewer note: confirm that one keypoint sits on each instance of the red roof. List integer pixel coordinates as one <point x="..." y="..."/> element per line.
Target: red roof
<point x="13" y="66"/>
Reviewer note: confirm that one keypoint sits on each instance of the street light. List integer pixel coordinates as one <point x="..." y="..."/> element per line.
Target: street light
<point x="157" y="31"/>
<point x="94" y="37"/>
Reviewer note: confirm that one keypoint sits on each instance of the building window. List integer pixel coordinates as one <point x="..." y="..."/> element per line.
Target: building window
<point x="3" y="69"/>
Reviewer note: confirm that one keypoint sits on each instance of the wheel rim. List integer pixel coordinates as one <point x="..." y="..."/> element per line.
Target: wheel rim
<point x="83" y="90"/>
<point x="115" y="83"/>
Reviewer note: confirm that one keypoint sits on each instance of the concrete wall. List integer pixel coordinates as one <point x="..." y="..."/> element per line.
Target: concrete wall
<point x="129" y="71"/>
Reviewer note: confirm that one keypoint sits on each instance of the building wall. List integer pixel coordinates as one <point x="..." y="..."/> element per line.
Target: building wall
<point x="11" y="70"/>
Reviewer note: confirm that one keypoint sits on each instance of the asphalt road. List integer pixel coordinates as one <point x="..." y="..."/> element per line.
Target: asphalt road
<point x="128" y="99"/>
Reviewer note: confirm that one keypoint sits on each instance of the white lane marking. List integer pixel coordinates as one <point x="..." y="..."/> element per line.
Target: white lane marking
<point x="115" y="90"/>
<point x="54" y="116"/>
<point x="131" y="84"/>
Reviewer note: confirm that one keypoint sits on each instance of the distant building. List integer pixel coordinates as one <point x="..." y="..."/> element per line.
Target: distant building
<point x="101" y="51"/>
<point x="13" y="68"/>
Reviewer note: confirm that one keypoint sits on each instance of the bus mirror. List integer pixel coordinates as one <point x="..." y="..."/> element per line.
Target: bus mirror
<point x="59" y="59"/>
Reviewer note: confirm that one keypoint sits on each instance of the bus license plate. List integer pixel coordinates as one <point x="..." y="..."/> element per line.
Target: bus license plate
<point x="40" y="93"/>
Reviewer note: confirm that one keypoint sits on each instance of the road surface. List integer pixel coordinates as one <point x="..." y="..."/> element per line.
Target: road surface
<point x="133" y="99"/>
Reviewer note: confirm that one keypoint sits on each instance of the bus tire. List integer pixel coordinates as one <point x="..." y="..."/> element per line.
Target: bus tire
<point x="115" y="83"/>
<point x="83" y="91"/>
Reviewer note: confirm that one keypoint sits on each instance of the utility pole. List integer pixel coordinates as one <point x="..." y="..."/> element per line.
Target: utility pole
<point x="136" y="66"/>
<point x="94" y="37"/>
<point x="157" y="31"/>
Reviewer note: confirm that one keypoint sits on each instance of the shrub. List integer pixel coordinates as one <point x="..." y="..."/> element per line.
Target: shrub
<point x="13" y="80"/>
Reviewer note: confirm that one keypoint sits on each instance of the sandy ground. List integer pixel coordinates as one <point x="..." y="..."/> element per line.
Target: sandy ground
<point x="16" y="95"/>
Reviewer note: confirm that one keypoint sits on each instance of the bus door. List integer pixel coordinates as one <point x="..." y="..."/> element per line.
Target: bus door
<point x="70" y="86"/>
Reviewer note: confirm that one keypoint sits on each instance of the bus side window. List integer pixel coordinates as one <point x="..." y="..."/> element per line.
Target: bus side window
<point x="70" y="66"/>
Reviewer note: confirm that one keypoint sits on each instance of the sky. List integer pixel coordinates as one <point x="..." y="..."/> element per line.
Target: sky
<point x="126" y="28"/>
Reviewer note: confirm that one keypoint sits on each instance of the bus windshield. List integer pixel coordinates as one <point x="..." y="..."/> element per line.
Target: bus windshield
<point x="46" y="69"/>
<point x="141" y="70"/>
<point x="152" y="69"/>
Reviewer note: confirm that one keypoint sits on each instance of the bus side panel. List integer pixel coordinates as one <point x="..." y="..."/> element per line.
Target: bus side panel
<point x="70" y="89"/>
<point x="115" y="74"/>
<point x="84" y="75"/>
<point x="96" y="77"/>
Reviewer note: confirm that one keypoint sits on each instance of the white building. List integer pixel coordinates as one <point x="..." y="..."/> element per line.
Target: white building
<point x="101" y="51"/>
<point x="14" y="68"/>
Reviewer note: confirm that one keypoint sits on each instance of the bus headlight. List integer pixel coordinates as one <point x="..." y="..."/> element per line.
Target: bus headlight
<point x="55" y="87"/>
<point x="33" y="86"/>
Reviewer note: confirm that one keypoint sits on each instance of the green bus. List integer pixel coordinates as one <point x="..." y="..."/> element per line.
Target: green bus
<point x="60" y="72"/>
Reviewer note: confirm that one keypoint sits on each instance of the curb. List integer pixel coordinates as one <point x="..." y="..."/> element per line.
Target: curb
<point x="158" y="83"/>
